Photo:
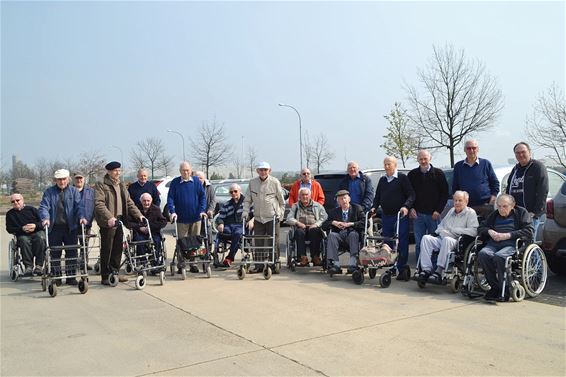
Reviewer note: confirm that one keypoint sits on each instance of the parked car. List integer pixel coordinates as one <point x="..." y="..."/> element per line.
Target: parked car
<point x="554" y="232"/>
<point x="163" y="188"/>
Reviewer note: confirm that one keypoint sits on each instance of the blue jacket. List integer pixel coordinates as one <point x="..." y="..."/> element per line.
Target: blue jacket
<point x="87" y="197"/>
<point x="367" y="190"/>
<point x="73" y="206"/>
<point x="186" y="199"/>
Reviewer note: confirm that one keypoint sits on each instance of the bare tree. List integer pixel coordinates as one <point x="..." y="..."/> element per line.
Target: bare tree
<point x="547" y="125"/>
<point x="400" y="140"/>
<point x="91" y="164"/>
<point x="148" y="154"/>
<point x="321" y="152"/>
<point x="308" y="150"/>
<point x="210" y="148"/>
<point x="251" y="160"/>
<point x="43" y="173"/>
<point x="166" y="164"/>
<point x="459" y="99"/>
<point x="238" y="166"/>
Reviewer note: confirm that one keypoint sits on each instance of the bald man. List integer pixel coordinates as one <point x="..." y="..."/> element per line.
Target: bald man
<point x="395" y="194"/>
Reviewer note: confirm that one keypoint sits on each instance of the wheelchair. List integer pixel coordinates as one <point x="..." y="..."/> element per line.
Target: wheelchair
<point x="16" y="265"/>
<point x="221" y="248"/>
<point x="525" y="274"/>
<point x="455" y="267"/>
<point x="291" y="248"/>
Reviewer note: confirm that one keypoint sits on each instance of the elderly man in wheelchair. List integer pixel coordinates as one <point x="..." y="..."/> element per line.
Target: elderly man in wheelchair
<point x="455" y="232"/>
<point x="306" y="218"/>
<point x="507" y="234"/>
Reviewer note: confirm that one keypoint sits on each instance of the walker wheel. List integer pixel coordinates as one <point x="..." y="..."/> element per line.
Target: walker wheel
<point x="241" y="273"/>
<point x="43" y="285"/>
<point x="128" y="268"/>
<point x="52" y="290"/>
<point x="208" y="271"/>
<point x="140" y="282"/>
<point x="161" y="277"/>
<point x="14" y="275"/>
<point x="358" y="276"/>
<point x="293" y="266"/>
<point x="172" y="268"/>
<point x="97" y="268"/>
<point x="267" y="273"/>
<point x="183" y="273"/>
<point x="277" y="268"/>
<point x="385" y="280"/>
<point x="455" y="284"/>
<point x="113" y="280"/>
<point x="83" y="286"/>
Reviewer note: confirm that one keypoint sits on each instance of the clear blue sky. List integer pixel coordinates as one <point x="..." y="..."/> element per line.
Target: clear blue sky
<point x="81" y="76"/>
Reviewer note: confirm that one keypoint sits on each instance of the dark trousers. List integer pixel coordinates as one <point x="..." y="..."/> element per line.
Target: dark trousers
<point x="493" y="263"/>
<point x="32" y="245"/>
<point x="60" y="236"/>
<point x="142" y="249"/>
<point x="232" y="232"/>
<point x="389" y="227"/>
<point x="314" y="235"/>
<point x="110" y="250"/>
<point x="266" y="229"/>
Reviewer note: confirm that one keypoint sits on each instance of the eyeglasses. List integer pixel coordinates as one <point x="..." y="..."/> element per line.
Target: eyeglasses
<point x="233" y="191"/>
<point x="305" y="173"/>
<point x="16" y="201"/>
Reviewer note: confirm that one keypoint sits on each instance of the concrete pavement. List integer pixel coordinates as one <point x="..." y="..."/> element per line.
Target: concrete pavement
<point x="301" y="323"/>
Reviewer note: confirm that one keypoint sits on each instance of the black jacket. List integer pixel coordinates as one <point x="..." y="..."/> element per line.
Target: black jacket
<point x="535" y="187"/>
<point x="367" y="189"/>
<point x="355" y="215"/>
<point x="391" y="196"/>
<point x="523" y="225"/>
<point x="431" y="189"/>
<point x="156" y="219"/>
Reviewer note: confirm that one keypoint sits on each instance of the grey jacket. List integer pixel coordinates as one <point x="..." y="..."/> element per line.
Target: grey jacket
<point x="267" y="199"/>
<point x="458" y="224"/>
<point x="297" y="211"/>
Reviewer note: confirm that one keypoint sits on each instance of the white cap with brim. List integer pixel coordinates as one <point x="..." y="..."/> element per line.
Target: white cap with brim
<point x="263" y="165"/>
<point x="61" y="173"/>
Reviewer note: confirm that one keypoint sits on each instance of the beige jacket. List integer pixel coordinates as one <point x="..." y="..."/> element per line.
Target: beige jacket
<point x="105" y="202"/>
<point x="267" y="199"/>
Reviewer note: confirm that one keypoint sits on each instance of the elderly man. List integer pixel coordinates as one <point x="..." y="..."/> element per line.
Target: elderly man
<point x="307" y="217"/>
<point x="431" y="195"/>
<point x="266" y="195"/>
<point x="229" y="222"/>
<point x="142" y="185"/>
<point x="358" y="185"/>
<point x="395" y="194"/>
<point x="61" y="210"/>
<point x="500" y="230"/>
<point x="345" y="224"/>
<point x="156" y="222"/>
<point x="306" y="181"/>
<point x="87" y="199"/>
<point x="477" y="178"/>
<point x="112" y="204"/>
<point x="186" y="201"/>
<point x="24" y="222"/>
<point x="209" y="192"/>
<point x="528" y="182"/>
<point x="460" y="220"/>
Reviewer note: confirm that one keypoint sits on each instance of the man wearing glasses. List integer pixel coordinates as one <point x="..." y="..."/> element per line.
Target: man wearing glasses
<point x="306" y="181"/>
<point x="477" y="178"/>
<point x="24" y="222"/>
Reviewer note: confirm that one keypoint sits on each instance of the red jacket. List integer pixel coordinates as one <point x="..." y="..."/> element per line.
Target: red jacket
<point x="316" y="192"/>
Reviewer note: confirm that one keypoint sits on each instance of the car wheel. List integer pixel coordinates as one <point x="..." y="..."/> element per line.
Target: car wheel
<point x="556" y="265"/>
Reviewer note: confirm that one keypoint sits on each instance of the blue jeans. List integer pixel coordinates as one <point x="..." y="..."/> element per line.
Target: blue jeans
<point x="389" y="227"/>
<point x="423" y="224"/>
<point x="232" y="232"/>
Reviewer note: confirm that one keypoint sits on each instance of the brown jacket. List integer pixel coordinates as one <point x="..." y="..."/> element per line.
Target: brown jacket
<point x="105" y="202"/>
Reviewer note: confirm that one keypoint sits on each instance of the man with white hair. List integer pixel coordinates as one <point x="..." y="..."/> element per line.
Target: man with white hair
<point x="61" y="210"/>
<point x="143" y="185"/>
<point x="186" y="201"/>
<point x="156" y="222"/>
<point x="460" y="220"/>
<point x="209" y="192"/>
<point x="266" y="195"/>
<point x="358" y="185"/>
<point x="24" y="222"/>
<point x="229" y="222"/>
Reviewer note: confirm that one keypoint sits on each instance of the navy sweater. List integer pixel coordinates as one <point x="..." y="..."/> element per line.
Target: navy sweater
<point x="479" y="181"/>
<point x="431" y="189"/>
<point x="391" y="196"/>
<point x="136" y="190"/>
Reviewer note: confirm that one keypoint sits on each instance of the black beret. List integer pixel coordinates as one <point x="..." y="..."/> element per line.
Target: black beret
<point x="113" y="165"/>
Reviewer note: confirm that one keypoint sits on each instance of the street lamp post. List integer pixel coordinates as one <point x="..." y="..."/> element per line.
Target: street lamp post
<point x="300" y="134"/>
<point x="182" y="138"/>
<point x="121" y="155"/>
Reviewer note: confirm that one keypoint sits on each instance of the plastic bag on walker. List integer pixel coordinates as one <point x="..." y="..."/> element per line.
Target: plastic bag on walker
<point x="380" y="255"/>
<point x="191" y="246"/>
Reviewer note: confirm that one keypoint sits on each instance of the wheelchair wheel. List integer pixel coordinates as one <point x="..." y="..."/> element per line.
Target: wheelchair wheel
<point x="455" y="284"/>
<point x="358" y="276"/>
<point x="13" y="248"/>
<point x="533" y="270"/>
<point x="517" y="291"/>
<point x="385" y="280"/>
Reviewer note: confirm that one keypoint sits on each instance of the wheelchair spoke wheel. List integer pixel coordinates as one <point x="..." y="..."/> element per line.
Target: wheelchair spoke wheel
<point x="533" y="270"/>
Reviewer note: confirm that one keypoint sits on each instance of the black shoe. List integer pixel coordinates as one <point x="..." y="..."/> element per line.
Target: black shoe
<point x="401" y="276"/>
<point x="194" y="269"/>
<point x="72" y="281"/>
<point x="335" y="270"/>
<point x="491" y="295"/>
<point x="436" y="278"/>
<point x="423" y="276"/>
<point x="179" y="271"/>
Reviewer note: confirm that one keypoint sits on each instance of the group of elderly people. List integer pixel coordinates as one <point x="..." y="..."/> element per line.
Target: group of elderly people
<point x="421" y="195"/>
